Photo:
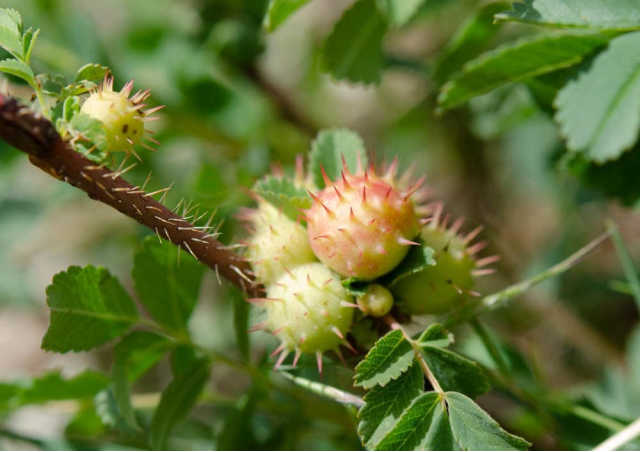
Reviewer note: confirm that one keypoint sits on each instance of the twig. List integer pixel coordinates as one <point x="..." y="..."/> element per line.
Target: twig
<point x="621" y="438"/>
<point x="35" y="135"/>
<point x="327" y="391"/>
<point x="625" y="260"/>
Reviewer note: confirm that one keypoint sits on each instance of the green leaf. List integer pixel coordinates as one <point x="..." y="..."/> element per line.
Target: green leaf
<point x="399" y="12"/>
<point x="599" y="112"/>
<point x="454" y="372"/>
<point x="88" y="308"/>
<point x="176" y="402"/>
<point x="329" y="149"/>
<point x="515" y="62"/>
<point x="284" y="194"/>
<point x="92" y="72"/>
<point x="470" y="39"/>
<point x="11" y="19"/>
<point x="384" y="406"/>
<point x="28" y="41"/>
<point x="279" y="10"/>
<point x="19" y="69"/>
<point x="601" y="14"/>
<point x="353" y="50"/>
<point x="386" y="361"/>
<point x="424" y="426"/>
<point x="167" y="284"/>
<point x="418" y="259"/>
<point x="133" y="356"/>
<point x="474" y="429"/>
<point x="11" y="42"/>
<point x="435" y="336"/>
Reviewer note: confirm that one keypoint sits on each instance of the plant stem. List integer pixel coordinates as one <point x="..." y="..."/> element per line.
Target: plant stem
<point x="327" y="391"/>
<point x="621" y="438"/>
<point x="596" y="418"/>
<point x="490" y="345"/>
<point x="498" y="299"/>
<point x="625" y="260"/>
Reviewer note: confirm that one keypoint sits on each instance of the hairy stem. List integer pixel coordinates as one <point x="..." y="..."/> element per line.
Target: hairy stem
<point x="35" y="135"/>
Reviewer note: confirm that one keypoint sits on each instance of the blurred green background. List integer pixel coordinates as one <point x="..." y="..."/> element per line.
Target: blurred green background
<point x="239" y="100"/>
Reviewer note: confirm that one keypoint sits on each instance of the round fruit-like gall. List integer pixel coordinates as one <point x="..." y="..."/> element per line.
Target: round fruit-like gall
<point x="277" y="243"/>
<point x="439" y="288"/>
<point x="121" y="116"/>
<point x="308" y="309"/>
<point x="377" y="301"/>
<point x="361" y="226"/>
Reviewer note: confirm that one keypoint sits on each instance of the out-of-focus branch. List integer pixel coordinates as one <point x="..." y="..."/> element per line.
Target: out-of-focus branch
<point x="33" y="134"/>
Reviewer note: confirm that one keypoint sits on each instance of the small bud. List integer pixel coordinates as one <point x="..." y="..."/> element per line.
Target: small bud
<point x="377" y="301"/>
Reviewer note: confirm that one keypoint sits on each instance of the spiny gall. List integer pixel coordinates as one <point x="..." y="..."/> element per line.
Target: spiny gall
<point x="377" y="301"/>
<point x="309" y="310"/>
<point x="361" y="226"/>
<point x="276" y="244"/>
<point x="439" y="288"/>
<point x="122" y="116"/>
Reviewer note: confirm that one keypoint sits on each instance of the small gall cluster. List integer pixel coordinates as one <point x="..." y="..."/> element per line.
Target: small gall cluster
<point x="123" y="117"/>
<point x="361" y="225"/>
<point x="359" y="228"/>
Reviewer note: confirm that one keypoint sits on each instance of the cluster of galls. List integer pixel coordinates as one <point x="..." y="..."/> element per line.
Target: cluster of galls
<point x="359" y="227"/>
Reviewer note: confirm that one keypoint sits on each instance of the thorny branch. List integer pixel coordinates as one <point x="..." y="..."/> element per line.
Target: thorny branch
<point x="33" y="134"/>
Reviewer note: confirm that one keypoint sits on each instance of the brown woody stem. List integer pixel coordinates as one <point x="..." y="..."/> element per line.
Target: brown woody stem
<point x="33" y="134"/>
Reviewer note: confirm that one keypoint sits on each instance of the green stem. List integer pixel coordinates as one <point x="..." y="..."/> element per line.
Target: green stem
<point x="625" y="260"/>
<point x="498" y="299"/>
<point x="596" y="418"/>
<point x="327" y="391"/>
<point x="490" y="345"/>
<point x="621" y="438"/>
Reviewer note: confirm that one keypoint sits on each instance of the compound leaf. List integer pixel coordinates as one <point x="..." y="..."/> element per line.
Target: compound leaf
<point x="387" y="360"/>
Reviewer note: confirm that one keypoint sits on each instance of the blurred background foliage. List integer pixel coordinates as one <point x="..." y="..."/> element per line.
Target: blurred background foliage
<point x="240" y="99"/>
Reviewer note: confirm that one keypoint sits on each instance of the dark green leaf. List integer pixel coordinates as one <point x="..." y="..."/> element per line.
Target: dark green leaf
<point x="167" y="284"/>
<point x="454" y="372"/>
<point x="88" y="308"/>
<point x="133" y="356"/>
<point x="424" y="426"/>
<point x="279" y="11"/>
<point x="399" y="12"/>
<point x="328" y="151"/>
<point x="177" y="401"/>
<point x="601" y="14"/>
<point x="470" y="39"/>
<point x="353" y="50"/>
<point x="384" y="406"/>
<point x="19" y="69"/>
<point x="474" y="429"/>
<point x="386" y="361"/>
<point x="515" y="62"/>
<point x="284" y="194"/>
<point x="418" y="259"/>
<point x="435" y="336"/>
<point x="28" y="41"/>
<point x="599" y="112"/>
<point x="92" y="72"/>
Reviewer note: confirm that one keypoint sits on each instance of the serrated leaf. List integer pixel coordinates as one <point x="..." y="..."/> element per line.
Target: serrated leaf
<point x="11" y="42"/>
<point x="417" y="259"/>
<point x="454" y="372"/>
<point x="19" y="69"/>
<point x="384" y="406"/>
<point x="284" y="194"/>
<point x="599" y="112"/>
<point x="474" y="429"/>
<point x="435" y="335"/>
<point x="11" y="19"/>
<point x="423" y="426"/>
<point x="279" y="11"/>
<point x="92" y="72"/>
<point x="353" y="50"/>
<point x="177" y="400"/>
<point x="387" y="360"/>
<point x="88" y="308"/>
<point x="168" y="288"/>
<point x="470" y="39"/>
<point x="328" y="150"/>
<point x="133" y="356"/>
<point x="399" y="12"/>
<point x="601" y="14"/>
<point x="517" y="61"/>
